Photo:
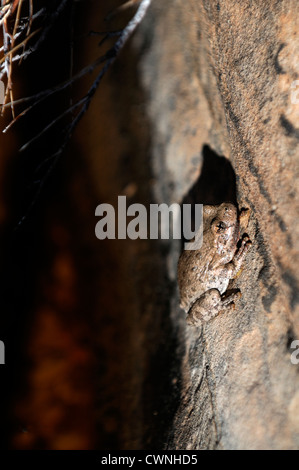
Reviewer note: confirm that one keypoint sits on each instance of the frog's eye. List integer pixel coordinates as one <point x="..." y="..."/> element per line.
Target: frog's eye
<point x="221" y="226"/>
<point x="218" y="225"/>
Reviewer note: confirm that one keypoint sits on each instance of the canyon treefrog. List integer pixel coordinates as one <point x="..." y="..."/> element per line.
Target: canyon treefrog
<point x="204" y="274"/>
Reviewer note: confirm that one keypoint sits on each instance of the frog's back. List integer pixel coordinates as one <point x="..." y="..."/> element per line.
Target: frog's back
<point x="195" y="276"/>
<point x="192" y="276"/>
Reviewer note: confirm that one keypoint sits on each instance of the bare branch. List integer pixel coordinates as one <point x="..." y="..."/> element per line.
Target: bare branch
<point x="81" y="106"/>
<point x="13" y="50"/>
<point x="50" y="21"/>
<point x="109" y="57"/>
<point x="10" y="17"/>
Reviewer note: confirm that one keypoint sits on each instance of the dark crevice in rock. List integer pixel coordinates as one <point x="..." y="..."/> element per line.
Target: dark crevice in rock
<point x="216" y="184"/>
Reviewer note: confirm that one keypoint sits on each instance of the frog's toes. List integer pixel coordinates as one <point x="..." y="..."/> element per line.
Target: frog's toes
<point x="226" y="300"/>
<point x="244" y="217"/>
<point x="245" y="245"/>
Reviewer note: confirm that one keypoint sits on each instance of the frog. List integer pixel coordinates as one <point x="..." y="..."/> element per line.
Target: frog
<point x="204" y="274"/>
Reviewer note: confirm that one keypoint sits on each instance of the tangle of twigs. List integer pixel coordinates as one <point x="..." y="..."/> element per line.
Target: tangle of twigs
<point x="16" y="33"/>
<point x="82" y="104"/>
<point x="79" y="108"/>
<point x="105" y="61"/>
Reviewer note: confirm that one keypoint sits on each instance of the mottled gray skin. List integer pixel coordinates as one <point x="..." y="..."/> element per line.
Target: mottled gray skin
<point x="203" y="275"/>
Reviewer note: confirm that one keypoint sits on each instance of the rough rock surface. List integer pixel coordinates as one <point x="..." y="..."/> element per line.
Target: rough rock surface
<point x="218" y="78"/>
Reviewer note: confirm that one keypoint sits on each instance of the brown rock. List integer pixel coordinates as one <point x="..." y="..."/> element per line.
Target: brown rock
<point x="220" y="74"/>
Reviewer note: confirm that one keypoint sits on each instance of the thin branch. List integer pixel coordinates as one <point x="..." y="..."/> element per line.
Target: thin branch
<point x="109" y="57"/>
<point x="105" y="61"/>
<point x="12" y="51"/>
<point x="43" y="95"/>
<point x="52" y="123"/>
<point x="29" y="24"/>
<point x="10" y="15"/>
<point x="45" y="30"/>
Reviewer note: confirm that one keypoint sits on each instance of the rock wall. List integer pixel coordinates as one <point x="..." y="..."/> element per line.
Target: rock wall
<point x="218" y="79"/>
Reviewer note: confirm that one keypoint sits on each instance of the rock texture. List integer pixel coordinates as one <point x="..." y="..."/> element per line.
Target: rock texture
<point x="220" y="74"/>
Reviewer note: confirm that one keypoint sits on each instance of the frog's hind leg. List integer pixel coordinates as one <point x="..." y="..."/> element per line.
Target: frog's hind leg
<point x="228" y="299"/>
<point x="205" y="308"/>
<point x="210" y="304"/>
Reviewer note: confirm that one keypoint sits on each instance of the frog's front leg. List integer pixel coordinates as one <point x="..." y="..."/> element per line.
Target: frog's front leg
<point x="235" y="265"/>
<point x="209" y="305"/>
<point x="244" y="218"/>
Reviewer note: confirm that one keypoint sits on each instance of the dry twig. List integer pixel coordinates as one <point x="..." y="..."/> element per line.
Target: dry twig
<point x="16" y="20"/>
<point x="79" y="108"/>
<point x="105" y="60"/>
